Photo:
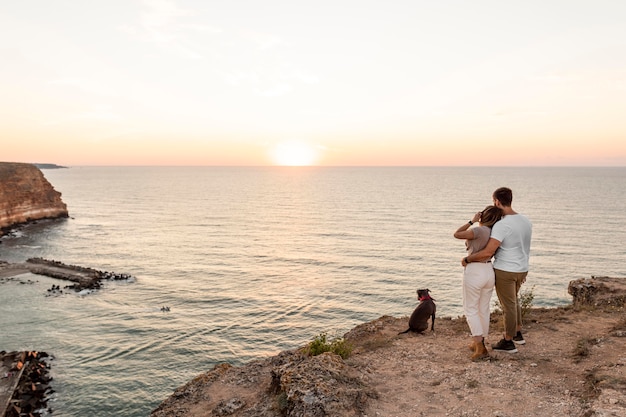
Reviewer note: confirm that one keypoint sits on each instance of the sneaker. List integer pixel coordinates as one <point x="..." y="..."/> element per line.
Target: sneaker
<point x="518" y="339"/>
<point x="506" y="346"/>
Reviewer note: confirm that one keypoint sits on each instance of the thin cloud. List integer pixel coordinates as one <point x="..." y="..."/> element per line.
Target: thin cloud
<point x="275" y="91"/>
<point x="88" y="85"/>
<point x="161" y="13"/>
<point x="161" y="23"/>
<point x="240" y="77"/>
<point x="305" y="77"/>
<point x="258" y="60"/>
<point x="100" y="113"/>
<point x="118" y="134"/>
<point x="272" y="73"/>
<point x="269" y="83"/>
<point x="264" y="41"/>
<point x="556" y="78"/>
<point x="520" y="113"/>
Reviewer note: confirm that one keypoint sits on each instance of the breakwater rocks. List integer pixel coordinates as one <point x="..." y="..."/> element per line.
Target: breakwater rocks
<point x="83" y="278"/>
<point x="26" y="195"/>
<point x="24" y="384"/>
<point x="573" y="363"/>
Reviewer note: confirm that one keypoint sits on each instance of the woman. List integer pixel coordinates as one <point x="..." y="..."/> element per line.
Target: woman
<point x="478" y="278"/>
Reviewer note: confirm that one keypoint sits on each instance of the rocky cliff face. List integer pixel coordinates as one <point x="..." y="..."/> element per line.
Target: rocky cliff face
<point x="26" y="195"/>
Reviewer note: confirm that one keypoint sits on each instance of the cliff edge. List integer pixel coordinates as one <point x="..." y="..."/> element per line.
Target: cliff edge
<point x="26" y="195"/>
<point x="573" y="364"/>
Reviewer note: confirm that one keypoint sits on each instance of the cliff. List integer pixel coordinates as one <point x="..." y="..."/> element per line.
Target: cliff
<point x="26" y="195"/>
<point x="573" y="363"/>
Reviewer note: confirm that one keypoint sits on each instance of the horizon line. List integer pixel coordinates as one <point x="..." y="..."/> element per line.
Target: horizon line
<point x="316" y="166"/>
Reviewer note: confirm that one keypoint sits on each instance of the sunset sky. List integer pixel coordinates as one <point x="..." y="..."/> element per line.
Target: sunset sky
<point x="195" y="82"/>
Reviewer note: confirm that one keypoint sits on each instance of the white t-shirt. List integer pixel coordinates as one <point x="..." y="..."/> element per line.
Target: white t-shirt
<point x="513" y="232"/>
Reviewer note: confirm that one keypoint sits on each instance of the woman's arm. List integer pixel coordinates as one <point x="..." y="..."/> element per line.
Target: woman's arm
<point x="464" y="232"/>
<point x="484" y="254"/>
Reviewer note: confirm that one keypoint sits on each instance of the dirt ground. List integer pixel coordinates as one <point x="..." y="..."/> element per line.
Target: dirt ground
<point x="573" y="364"/>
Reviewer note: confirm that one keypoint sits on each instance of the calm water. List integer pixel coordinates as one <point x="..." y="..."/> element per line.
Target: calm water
<point x="252" y="261"/>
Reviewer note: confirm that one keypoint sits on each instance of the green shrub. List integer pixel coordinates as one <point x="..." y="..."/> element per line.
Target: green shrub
<point x="282" y="402"/>
<point x="526" y="299"/>
<point x="337" y="345"/>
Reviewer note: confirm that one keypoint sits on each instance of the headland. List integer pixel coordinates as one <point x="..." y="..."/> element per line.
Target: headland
<point x="573" y="363"/>
<point x="26" y="196"/>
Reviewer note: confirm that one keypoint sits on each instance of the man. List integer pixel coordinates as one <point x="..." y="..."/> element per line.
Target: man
<point x="510" y="244"/>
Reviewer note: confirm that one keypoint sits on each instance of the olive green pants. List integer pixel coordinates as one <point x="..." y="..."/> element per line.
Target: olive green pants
<point x="507" y="289"/>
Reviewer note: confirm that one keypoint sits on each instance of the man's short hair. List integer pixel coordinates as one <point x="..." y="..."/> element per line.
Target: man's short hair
<point x="504" y="195"/>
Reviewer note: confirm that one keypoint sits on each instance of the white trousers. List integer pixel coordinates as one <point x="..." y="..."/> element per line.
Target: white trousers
<point x="478" y="282"/>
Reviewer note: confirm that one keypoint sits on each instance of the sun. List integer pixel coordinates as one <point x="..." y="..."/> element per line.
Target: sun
<point x="294" y="153"/>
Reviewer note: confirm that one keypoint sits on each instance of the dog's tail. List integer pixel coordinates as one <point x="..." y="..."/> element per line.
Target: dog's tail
<point x="406" y="331"/>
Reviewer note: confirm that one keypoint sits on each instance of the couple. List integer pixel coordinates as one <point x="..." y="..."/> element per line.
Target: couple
<point x="505" y="235"/>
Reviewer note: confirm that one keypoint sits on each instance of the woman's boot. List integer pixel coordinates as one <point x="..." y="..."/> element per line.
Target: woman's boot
<point x="480" y="352"/>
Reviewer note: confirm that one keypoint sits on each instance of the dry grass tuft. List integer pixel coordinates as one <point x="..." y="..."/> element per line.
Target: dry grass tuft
<point x="620" y="326"/>
<point x="583" y="348"/>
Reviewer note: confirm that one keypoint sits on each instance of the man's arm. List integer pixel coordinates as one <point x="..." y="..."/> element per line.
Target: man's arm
<point x="484" y="254"/>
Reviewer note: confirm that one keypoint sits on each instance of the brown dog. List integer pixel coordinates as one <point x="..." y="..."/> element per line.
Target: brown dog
<point x="418" y="322"/>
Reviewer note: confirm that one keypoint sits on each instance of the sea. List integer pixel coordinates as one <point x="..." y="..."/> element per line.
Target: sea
<point x="232" y="264"/>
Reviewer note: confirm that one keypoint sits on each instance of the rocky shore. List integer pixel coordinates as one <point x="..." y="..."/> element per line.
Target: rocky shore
<point x="24" y="384"/>
<point x="574" y="364"/>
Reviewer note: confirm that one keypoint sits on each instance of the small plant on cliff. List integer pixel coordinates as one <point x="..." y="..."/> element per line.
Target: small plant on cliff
<point x="526" y="299"/>
<point x="282" y="402"/>
<point x="321" y="344"/>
